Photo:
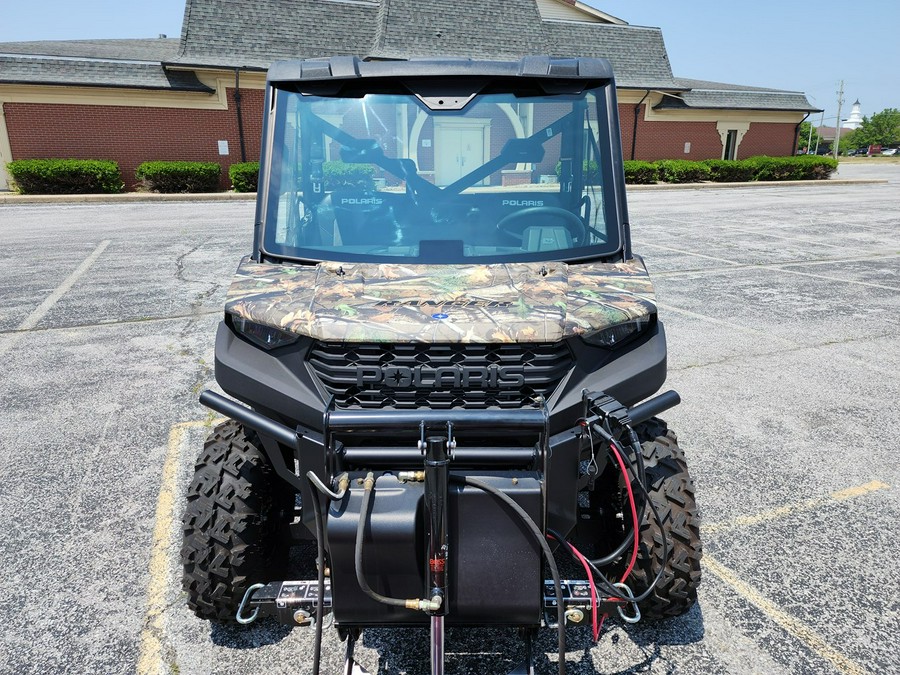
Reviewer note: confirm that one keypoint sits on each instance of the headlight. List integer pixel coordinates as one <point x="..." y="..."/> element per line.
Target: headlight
<point x="618" y="334"/>
<point x="264" y="336"/>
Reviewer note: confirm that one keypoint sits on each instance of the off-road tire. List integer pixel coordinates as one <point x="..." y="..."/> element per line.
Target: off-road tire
<point x="671" y="489"/>
<point x="233" y="525"/>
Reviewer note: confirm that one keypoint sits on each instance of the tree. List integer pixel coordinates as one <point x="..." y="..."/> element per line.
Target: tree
<point x="881" y="129"/>
<point x="848" y="142"/>
<point x="803" y="138"/>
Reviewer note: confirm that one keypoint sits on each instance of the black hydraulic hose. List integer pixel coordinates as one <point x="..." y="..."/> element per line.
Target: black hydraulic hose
<point x="548" y="554"/>
<point x="629" y="535"/>
<point x="318" y="486"/>
<point x="640" y="478"/>
<point x="320" y="564"/>
<point x="360" y="529"/>
<point x="605" y="583"/>
<point x="665" y="544"/>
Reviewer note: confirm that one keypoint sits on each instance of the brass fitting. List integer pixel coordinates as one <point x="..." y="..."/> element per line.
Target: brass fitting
<point x="411" y="476"/>
<point x="343" y="482"/>
<point x="369" y="482"/>
<point x="574" y="615"/>
<point x="432" y="605"/>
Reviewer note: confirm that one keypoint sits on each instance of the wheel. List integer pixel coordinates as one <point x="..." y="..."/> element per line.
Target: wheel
<point x="671" y="489"/>
<point x="571" y="221"/>
<point x="234" y="524"/>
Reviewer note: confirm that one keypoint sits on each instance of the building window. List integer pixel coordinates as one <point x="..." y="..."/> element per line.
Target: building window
<point x="730" y="145"/>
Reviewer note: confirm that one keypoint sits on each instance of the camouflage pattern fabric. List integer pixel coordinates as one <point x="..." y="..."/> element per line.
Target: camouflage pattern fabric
<point x="514" y="302"/>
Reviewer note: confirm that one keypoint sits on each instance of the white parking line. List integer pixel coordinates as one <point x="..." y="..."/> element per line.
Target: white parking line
<point x="41" y="310"/>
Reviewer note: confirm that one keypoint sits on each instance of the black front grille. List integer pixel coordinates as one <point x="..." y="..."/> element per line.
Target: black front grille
<point x="439" y="375"/>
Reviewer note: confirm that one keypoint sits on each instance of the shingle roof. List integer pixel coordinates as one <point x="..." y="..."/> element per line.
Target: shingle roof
<point x="93" y="73"/>
<point x="158" y="49"/>
<point x="253" y="33"/>
<point x="722" y="96"/>
<point x="638" y="55"/>
<point x="469" y="28"/>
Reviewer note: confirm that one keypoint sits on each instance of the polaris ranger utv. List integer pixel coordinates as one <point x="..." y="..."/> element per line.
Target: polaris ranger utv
<point x="439" y="345"/>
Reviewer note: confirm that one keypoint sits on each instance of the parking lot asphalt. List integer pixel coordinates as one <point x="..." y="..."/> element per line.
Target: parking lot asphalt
<point x="782" y="309"/>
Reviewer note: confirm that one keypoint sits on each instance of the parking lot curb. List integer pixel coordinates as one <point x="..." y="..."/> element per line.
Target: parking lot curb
<point x="130" y="197"/>
<point x="126" y="198"/>
<point x="758" y="184"/>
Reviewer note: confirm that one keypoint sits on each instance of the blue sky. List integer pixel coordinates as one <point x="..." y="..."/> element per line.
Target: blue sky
<point x="783" y="44"/>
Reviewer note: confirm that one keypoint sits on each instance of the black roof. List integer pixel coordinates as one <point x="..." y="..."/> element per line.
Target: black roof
<point x="351" y="67"/>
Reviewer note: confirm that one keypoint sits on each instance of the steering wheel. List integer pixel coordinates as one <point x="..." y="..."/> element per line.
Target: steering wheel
<point x="572" y="222"/>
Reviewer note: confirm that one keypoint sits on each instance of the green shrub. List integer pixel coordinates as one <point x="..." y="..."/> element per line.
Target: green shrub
<point x="244" y="176"/>
<point x="640" y="173"/>
<point x="347" y="176"/>
<point x="179" y="176"/>
<point x="814" y="167"/>
<point x="802" y="167"/>
<point x="65" y="176"/>
<point x="591" y="172"/>
<point x="730" y="170"/>
<point x="774" y="168"/>
<point x="682" y="171"/>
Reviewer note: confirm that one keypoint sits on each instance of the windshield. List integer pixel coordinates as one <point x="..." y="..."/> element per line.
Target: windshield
<point x="386" y="178"/>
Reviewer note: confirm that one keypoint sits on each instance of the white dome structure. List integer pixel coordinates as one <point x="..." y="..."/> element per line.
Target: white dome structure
<point x="855" y="119"/>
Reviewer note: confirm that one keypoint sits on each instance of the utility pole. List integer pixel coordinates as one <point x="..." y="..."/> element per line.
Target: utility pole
<point x="837" y="124"/>
<point x="818" y="137"/>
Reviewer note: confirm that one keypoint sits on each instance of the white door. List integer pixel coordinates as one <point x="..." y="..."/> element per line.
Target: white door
<point x="459" y="149"/>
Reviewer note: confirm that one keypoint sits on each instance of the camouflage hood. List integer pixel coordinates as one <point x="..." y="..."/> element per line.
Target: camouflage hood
<point x="367" y="302"/>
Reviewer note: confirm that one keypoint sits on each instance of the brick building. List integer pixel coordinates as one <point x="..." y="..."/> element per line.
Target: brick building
<point x="200" y="97"/>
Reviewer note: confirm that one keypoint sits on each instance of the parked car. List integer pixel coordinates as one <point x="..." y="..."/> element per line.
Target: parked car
<point x="889" y="152"/>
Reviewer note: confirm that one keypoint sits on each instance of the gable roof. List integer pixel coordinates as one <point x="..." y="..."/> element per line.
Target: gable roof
<point x="469" y="28"/>
<point x="253" y="33"/>
<point x="96" y="73"/>
<point x="151" y="49"/>
<point x="723" y="96"/>
<point x="574" y="10"/>
<point x="134" y="64"/>
<point x="638" y="54"/>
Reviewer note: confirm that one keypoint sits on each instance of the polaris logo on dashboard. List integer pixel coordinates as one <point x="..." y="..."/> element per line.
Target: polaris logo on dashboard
<point x="362" y="201"/>
<point x="448" y="377"/>
<point x="523" y="202"/>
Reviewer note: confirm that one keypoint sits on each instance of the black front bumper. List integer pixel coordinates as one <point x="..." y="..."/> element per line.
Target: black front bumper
<point x="282" y="385"/>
